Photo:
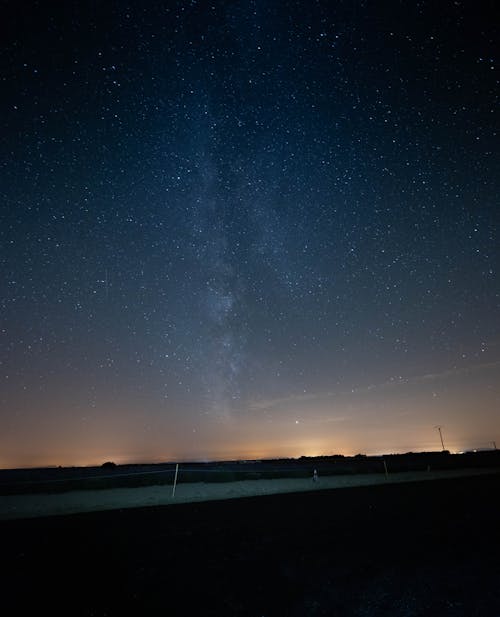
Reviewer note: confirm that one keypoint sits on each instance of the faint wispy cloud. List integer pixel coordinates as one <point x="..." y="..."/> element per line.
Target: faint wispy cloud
<point x="455" y="372"/>
<point x="394" y="382"/>
<point x="265" y="404"/>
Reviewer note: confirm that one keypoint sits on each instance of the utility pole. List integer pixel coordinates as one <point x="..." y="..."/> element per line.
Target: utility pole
<point x="440" y="436"/>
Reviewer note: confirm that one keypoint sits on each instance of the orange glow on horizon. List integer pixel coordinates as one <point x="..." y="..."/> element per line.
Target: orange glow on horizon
<point x="371" y="427"/>
<point x="257" y="452"/>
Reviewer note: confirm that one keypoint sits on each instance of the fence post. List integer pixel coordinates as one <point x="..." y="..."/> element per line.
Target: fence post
<point x="175" y="479"/>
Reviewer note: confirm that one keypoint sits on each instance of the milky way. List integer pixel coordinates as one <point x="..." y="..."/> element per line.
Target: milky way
<point x="240" y="229"/>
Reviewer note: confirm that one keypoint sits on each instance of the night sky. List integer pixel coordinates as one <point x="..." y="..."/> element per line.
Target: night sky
<point x="246" y="229"/>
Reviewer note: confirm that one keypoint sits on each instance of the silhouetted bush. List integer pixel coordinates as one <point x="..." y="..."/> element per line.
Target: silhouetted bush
<point x="108" y="465"/>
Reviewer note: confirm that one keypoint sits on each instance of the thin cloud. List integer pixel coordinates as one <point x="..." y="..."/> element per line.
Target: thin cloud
<point x="295" y="399"/>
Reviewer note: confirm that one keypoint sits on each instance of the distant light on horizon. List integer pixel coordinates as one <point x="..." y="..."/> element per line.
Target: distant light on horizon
<point x="122" y="458"/>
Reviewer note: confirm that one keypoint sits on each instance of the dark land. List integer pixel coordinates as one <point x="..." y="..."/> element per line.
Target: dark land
<point x="422" y="548"/>
<point x="109" y="475"/>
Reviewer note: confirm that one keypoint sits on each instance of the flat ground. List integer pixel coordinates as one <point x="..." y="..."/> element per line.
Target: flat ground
<point x="76" y="501"/>
<point x="397" y="549"/>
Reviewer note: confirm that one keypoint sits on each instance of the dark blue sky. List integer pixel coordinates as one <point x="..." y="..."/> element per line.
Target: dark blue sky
<point x="244" y="229"/>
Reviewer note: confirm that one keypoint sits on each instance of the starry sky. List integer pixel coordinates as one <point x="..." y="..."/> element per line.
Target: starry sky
<point x="247" y="228"/>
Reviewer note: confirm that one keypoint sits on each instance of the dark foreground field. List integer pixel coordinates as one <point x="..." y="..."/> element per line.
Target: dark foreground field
<point x="429" y="548"/>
